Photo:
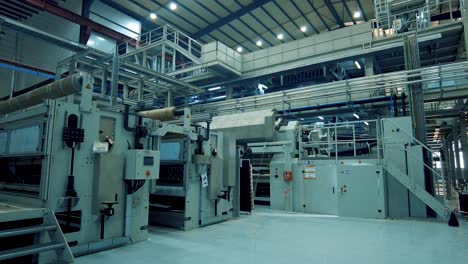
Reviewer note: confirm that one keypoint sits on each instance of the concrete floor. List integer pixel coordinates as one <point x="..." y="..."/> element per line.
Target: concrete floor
<point x="275" y="237"/>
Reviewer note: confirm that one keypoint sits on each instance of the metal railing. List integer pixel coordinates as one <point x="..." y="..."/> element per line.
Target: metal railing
<point x="445" y="76"/>
<point x="389" y="23"/>
<point x="338" y="140"/>
<point x="156" y="36"/>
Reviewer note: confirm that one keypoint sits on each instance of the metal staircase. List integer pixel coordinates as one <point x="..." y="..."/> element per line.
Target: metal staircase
<point x="48" y="242"/>
<point x="431" y="201"/>
<point x="438" y="201"/>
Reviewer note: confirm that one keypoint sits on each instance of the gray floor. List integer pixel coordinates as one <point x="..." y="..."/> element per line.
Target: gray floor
<point x="275" y="237"/>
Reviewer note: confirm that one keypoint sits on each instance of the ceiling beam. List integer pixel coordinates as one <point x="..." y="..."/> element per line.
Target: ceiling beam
<point x="207" y="22"/>
<point x="16" y="14"/>
<point x="231" y="27"/>
<point x="143" y="20"/>
<point x="319" y="15"/>
<point x="277" y="22"/>
<point x="186" y="20"/>
<point x="362" y="10"/>
<point x="75" y="18"/>
<point x="305" y="17"/>
<point x="243" y="23"/>
<point x="233" y="16"/>
<point x="332" y="9"/>
<point x="348" y="11"/>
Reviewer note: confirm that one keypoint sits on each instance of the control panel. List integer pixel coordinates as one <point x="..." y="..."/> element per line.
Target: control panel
<point x="142" y="164"/>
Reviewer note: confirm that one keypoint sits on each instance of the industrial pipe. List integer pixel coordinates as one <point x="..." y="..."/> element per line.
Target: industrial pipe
<point x="339" y="104"/>
<point x="57" y="89"/>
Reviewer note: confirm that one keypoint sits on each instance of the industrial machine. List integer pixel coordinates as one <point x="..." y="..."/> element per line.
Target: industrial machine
<point x="74" y="176"/>
<point x="368" y="169"/>
<point x="191" y="191"/>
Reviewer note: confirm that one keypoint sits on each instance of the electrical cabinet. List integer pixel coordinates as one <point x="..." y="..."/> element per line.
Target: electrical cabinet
<point x="142" y="164"/>
<point x="361" y="189"/>
<point x="315" y="187"/>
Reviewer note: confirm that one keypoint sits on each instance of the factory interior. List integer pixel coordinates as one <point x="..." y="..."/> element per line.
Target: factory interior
<point x="233" y="131"/>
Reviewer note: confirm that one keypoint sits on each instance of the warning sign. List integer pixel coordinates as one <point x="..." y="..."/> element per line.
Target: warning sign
<point x="309" y="172"/>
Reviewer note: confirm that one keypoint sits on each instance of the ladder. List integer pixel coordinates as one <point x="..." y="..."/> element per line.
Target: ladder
<point x="382" y="13"/>
<point x="49" y="244"/>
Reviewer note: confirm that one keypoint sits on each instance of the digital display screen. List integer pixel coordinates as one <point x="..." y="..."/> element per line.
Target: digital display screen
<point x="148" y="161"/>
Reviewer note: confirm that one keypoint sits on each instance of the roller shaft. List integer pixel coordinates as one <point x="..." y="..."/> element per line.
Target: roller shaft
<point x="57" y="89"/>
<point x="165" y="114"/>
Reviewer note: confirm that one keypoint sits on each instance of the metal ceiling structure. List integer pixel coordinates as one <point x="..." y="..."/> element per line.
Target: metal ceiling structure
<point x="241" y="23"/>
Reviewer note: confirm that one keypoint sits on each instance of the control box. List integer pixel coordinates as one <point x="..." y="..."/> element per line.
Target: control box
<point x="142" y="164"/>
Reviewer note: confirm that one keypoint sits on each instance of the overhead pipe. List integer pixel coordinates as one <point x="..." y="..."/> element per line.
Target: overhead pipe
<point x="27" y="67"/>
<point x="338" y="104"/>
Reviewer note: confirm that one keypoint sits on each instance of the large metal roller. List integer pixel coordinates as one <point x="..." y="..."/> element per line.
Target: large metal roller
<point x="57" y="89"/>
<point x="165" y="114"/>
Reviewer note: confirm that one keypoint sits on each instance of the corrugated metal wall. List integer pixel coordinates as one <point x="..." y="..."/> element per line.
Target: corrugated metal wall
<point x="36" y="52"/>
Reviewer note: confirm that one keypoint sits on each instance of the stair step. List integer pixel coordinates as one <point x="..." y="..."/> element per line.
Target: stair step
<point x="29" y="250"/>
<point x="26" y="230"/>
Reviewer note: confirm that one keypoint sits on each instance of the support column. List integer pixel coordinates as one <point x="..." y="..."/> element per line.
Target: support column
<point x="458" y="171"/>
<point x="103" y="81"/>
<point x="416" y="96"/>
<point x="115" y="77"/>
<point x="369" y="66"/>
<point x="451" y="160"/>
<point x="186" y="100"/>
<point x="169" y="99"/>
<point x="447" y="168"/>
<point x="229" y="92"/>
<point x="465" y="25"/>
<point x="464" y="147"/>
<point x="163" y="58"/>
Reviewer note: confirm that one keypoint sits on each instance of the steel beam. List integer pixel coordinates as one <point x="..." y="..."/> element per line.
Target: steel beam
<point x="349" y="12"/>
<point x="319" y="15"/>
<point x="362" y="10"/>
<point x="277" y="22"/>
<point x="243" y="23"/>
<point x="334" y="13"/>
<point x="218" y="17"/>
<point x="302" y="14"/>
<point x="233" y="16"/>
<point x="207" y="22"/>
<point x="70" y="16"/>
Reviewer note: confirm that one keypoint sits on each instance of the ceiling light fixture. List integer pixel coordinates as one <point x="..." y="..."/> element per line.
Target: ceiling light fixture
<point x="214" y="88"/>
<point x="239" y="49"/>
<point x="304" y="29"/>
<point x="280" y="36"/>
<point x="259" y="43"/>
<point x="366" y="123"/>
<point x="321" y="118"/>
<point x="356" y="116"/>
<point x="357" y="14"/>
<point x="153" y="16"/>
<point x="173" y="6"/>
<point x="357" y="65"/>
